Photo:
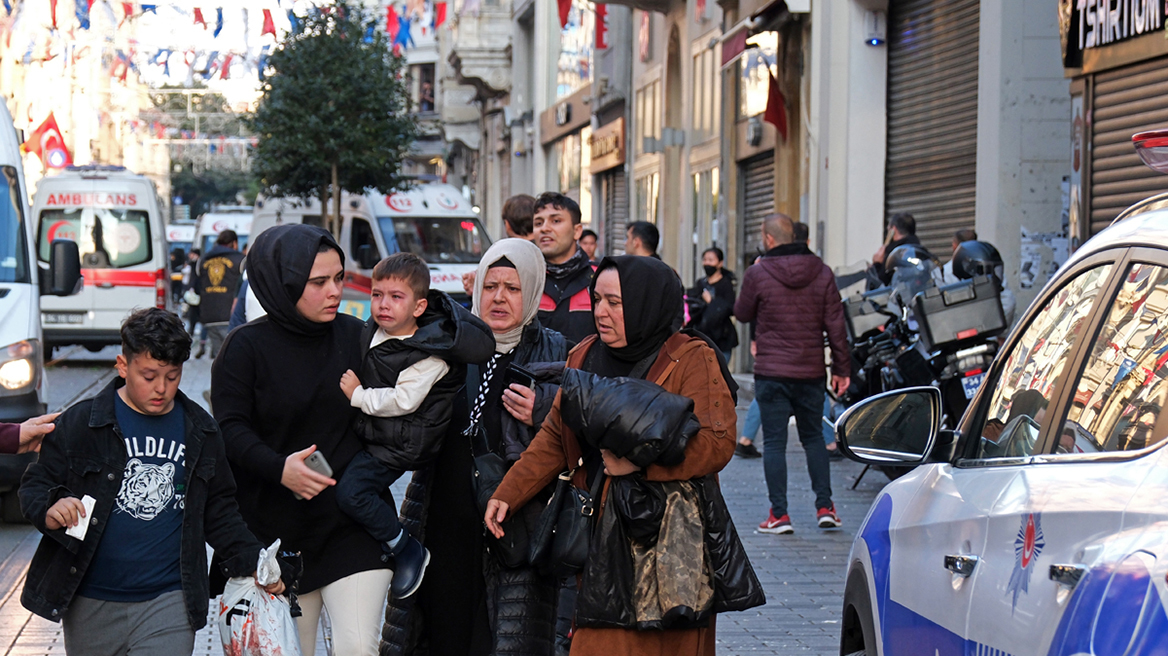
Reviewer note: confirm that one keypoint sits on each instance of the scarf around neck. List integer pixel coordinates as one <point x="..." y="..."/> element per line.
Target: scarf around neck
<point x="578" y="261"/>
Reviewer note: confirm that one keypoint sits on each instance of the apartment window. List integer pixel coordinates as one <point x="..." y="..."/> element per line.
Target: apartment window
<point x="705" y="208"/>
<point x="705" y="95"/>
<point x="647" y="188"/>
<point x="647" y="108"/>
<point x="422" y="87"/>
<point x="759" y="62"/>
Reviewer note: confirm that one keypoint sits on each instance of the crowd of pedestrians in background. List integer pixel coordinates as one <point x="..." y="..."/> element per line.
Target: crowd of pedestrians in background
<point x="316" y="413"/>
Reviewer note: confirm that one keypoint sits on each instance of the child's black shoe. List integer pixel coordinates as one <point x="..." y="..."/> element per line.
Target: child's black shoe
<point x="410" y="561"/>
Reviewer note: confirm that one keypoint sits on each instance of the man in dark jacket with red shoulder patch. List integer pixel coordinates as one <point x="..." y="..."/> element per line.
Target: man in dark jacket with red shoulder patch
<point x="791" y="296"/>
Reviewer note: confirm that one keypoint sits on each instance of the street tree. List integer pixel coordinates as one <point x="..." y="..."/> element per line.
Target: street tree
<point x="335" y="110"/>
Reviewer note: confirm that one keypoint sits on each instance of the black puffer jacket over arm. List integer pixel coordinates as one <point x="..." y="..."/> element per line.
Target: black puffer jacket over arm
<point x="633" y="418"/>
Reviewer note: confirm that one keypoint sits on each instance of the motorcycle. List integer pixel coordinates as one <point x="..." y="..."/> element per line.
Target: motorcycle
<point x="924" y="335"/>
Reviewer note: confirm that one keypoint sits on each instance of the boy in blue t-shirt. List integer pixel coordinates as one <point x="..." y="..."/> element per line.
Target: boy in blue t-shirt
<point x="152" y="464"/>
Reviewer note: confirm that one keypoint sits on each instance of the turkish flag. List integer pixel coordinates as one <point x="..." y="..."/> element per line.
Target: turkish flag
<point x="391" y="24"/>
<point x="269" y="26"/>
<point x="601" y="27"/>
<point x="565" y="7"/>
<point x="199" y="18"/>
<point x="776" y="108"/>
<point x="47" y="143"/>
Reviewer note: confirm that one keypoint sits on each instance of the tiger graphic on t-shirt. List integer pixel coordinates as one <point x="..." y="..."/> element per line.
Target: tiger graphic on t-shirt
<point x="146" y="489"/>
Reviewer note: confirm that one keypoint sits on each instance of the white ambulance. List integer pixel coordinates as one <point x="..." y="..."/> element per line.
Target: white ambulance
<point x="231" y="217"/>
<point x="431" y="220"/>
<point x="114" y="216"/>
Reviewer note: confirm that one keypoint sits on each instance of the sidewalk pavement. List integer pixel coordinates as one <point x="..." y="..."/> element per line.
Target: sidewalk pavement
<point x="802" y="573"/>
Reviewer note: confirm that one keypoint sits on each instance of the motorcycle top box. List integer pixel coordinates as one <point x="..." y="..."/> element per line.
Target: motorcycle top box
<point x="865" y="312"/>
<point x="955" y="314"/>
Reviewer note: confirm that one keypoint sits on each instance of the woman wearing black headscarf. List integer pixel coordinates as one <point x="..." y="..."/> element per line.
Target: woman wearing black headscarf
<point x="275" y="395"/>
<point x="636" y="305"/>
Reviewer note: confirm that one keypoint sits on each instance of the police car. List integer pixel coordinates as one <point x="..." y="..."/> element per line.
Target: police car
<point x="1040" y="524"/>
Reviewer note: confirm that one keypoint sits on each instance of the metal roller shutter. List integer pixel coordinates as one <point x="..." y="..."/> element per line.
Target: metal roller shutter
<point x="616" y="211"/>
<point x="758" y="201"/>
<point x="931" y="168"/>
<point x="1127" y="100"/>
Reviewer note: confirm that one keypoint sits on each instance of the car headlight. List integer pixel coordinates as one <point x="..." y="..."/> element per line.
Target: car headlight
<point x="19" y="365"/>
<point x="16" y="374"/>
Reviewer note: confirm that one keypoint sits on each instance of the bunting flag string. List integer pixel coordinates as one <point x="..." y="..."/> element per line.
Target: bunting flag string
<point x="53" y="12"/>
<point x="199" y="20"/>
<point x="218" y="22"/>
<point x="8" y="7"/>
<point x="269" y="26"/>
<point x="82" y="13"/>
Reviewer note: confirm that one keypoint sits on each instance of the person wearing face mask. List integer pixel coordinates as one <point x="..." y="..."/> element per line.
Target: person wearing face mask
<point x="711" y="302"/>
<point x="501" y="606"/>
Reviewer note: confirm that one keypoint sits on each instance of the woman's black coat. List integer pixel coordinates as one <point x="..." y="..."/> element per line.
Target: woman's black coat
<point x="516" y="593"/>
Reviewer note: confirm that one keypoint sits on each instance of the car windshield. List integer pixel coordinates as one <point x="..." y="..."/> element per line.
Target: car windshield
<point x="13" y="244"/>
<point x="108" y="238"/>
<point x="438" y="240"/>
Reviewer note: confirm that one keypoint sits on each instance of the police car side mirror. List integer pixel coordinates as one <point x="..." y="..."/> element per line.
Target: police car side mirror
<point x="894" y="428"/>
<point x="64" y="274"/>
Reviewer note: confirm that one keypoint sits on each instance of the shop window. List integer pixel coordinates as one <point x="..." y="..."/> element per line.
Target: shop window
<point x="705" y="95"/>
<point x="647" y="107"/>
<point x="573" y="161"/>
<point x="759" y="63"/>
<point x="577" y="44"/>
<point x="705" y="209"/>
<point x="647" y="190"/>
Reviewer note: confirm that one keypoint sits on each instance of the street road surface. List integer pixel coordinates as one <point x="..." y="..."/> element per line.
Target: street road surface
<point x="803" y="573"/>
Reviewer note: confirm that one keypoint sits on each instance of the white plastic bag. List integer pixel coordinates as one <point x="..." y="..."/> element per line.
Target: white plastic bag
<point x="253" y="622"/>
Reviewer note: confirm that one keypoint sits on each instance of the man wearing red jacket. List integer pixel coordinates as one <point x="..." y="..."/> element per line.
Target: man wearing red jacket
<point x="21" y="438"/>
<point x="791" y="296"/>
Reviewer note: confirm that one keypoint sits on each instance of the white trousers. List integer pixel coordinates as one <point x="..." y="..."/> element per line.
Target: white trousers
<point x="356" y="606"/>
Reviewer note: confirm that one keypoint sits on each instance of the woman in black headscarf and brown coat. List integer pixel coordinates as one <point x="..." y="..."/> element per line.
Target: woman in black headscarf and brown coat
<point x="636" y="305"/>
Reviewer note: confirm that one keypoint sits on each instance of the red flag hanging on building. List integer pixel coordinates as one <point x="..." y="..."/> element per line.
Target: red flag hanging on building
<point x="601" y="26"/>
<point x="199" y="20"/>
<point x="565" y="7"/>
<point x="776" y="108"/>
<point x="439" y="14"/>
<point x="391" y="23"/>
<point x="47" y="143"/>
<point x="269" y="26"/>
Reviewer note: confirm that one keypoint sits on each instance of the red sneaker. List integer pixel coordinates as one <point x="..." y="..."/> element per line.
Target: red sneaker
<point x="827" y="517"/>
<point x="776" y="524"/>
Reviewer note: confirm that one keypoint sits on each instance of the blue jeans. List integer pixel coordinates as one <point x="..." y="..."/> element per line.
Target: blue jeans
<point x="754" y="421"/>
<point x="776" y="403"/>
<point x="359" y="495"/>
